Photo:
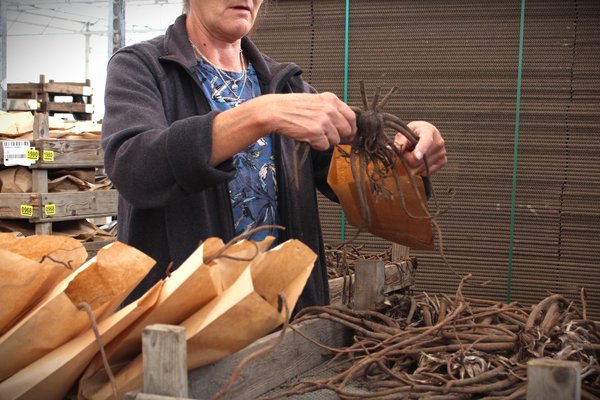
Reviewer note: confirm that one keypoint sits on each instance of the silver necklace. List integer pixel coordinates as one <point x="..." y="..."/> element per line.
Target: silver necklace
<point x="222" y="74"/>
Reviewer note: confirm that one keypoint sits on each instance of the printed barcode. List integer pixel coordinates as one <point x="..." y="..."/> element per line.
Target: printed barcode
<point x="16" y="143"/>
<point x="8" y="156"/>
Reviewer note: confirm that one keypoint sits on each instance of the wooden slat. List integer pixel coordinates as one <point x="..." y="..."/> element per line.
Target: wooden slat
<point x="77" y="205"/>
<point x="289" y="359"/>
<point x="22" y="105"/>
<point x="370" y="279"/>
<point x="59" y="107"/>
<point x="555" y="379"/>
<point x="397" y="277"/>
<point x="70" y="153"/>
<point x="52" y="87"/>
<point x="165" y="360"/>
<point x="10" y="205"/>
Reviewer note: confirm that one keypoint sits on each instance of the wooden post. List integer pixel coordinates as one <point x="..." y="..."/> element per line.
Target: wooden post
<point x="553" y="379"/>
<point x="368" y="286"/>
<point x="3" y="52"/>
<point x="40" y="176"/>
<point x="164" y="353"/>
<point x="400" y="252"/>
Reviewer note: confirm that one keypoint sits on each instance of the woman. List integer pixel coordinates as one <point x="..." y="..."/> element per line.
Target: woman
<point x="199" y="133"/>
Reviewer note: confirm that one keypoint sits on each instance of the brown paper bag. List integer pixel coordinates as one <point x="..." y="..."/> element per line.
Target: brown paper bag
<point x="52" y="376"/>
<point x="103" y="282"/>
<point x="248" y="309"/>
<point x="389" y="219"/>
<point x="233" y="320"/>
<point x="15" y="124"/>
<point x="61" y="251"/>
<point x="82" y="230"/>
<point x="75" y="180"/>
<point x="15" y="180"/>
<point x="30" y="267"/>
<point x="186" y="290"/>
<point x="237" y="257"/>
<point x="190" y="287"/>
<point x="22" y="282"/>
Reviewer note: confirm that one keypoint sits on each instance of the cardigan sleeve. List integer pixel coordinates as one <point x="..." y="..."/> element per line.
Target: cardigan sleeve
<point x="149" y="160"/>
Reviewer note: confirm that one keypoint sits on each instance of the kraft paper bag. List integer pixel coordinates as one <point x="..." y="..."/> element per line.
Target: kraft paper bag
<point x="30" y="267"/>
<point x="75" y="180"/>
<point x="15" y="124"/>
<point x="60" y="251"/>
<point x="235" y="258"/>
<point x="15" y="180"/>
<point x="103" y="283"/>
<point x="186" y="290"/>
<point x="237" y="317"/>
<point x="52" y="376"/>
<point x="248" y="309"/>
<point x="389" y="219"/>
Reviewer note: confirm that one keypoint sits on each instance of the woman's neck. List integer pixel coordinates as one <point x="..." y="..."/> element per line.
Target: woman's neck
<point x="221" y="53"/>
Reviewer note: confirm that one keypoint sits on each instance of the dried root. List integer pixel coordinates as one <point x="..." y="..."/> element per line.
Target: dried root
<point x="452" y="347"/>
<point x="373" y="155"/>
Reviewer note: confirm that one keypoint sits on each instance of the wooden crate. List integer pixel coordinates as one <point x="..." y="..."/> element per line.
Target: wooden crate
<point x="64" y="206"/>
<point x="42" y="97"/>
<point x="292" y="357"/>
<point x="82" y="153"/>
<point x="41" y="207"/>
<point x="397" y="276"/>
<point x="62" y="153"/>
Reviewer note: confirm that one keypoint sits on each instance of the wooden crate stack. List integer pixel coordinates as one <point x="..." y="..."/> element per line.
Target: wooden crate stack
<point x="44" y="97"/>
<point x="41" y="207"/>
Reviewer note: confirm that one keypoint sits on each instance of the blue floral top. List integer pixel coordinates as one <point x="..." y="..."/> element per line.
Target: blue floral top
<point x="253" y="191"/>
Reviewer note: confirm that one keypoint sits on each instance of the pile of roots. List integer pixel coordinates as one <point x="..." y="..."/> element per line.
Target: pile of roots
<point x="340" y="258"/>
<point x="453" y="347"/>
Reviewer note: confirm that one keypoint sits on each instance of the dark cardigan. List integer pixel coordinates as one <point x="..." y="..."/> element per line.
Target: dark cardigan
<point x="156" y="135"/>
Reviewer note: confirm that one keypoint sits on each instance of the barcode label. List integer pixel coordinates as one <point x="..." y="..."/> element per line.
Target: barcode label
<point x="16" y="143"/>
<point x="19" y="152"/>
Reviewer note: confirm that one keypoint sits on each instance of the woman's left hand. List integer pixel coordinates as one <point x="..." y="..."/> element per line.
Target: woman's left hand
<point x="430" y="144"/>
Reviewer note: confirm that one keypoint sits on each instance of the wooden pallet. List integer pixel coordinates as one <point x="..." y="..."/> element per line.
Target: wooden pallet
<point x="43" y="208"/>
<point x="43" y="97"/>
<point x="52" y="207"/>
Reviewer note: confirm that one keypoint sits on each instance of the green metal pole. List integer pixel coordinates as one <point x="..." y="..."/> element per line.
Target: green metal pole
<point x="346" y="46"/>
<point x="515" y="155"/>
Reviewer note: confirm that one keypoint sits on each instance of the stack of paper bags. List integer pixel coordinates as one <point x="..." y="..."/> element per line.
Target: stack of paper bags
<point x="224" y="304"/>
<point x="15" y="124"/>
<point x="19" y="125"/>
<point x="44" y="353"/>
<point x="29" y="268"/>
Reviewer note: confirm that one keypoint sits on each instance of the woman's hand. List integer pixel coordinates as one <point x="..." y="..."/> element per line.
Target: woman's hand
<point x="431" y="144"/>
<point x="321" y="120"/>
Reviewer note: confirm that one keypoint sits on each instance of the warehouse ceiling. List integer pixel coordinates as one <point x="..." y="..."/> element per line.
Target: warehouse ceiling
<point x="69" y="40"/>
<point x="55" y="17"/>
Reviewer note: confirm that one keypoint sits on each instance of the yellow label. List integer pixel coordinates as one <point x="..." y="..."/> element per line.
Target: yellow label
<point x="48" y="155"/>
<point x="33" y="154"/>
<point x="26" y="210"/>
<point x="50" y="209"/>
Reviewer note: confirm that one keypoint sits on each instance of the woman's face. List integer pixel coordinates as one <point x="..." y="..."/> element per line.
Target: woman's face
<point x="227" y="20"/>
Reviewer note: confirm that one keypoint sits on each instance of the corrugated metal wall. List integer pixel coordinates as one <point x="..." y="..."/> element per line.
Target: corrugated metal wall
<point x="456" y="64"/>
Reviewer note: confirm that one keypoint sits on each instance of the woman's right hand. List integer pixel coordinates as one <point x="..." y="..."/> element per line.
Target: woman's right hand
<point x="321" y="120"/>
